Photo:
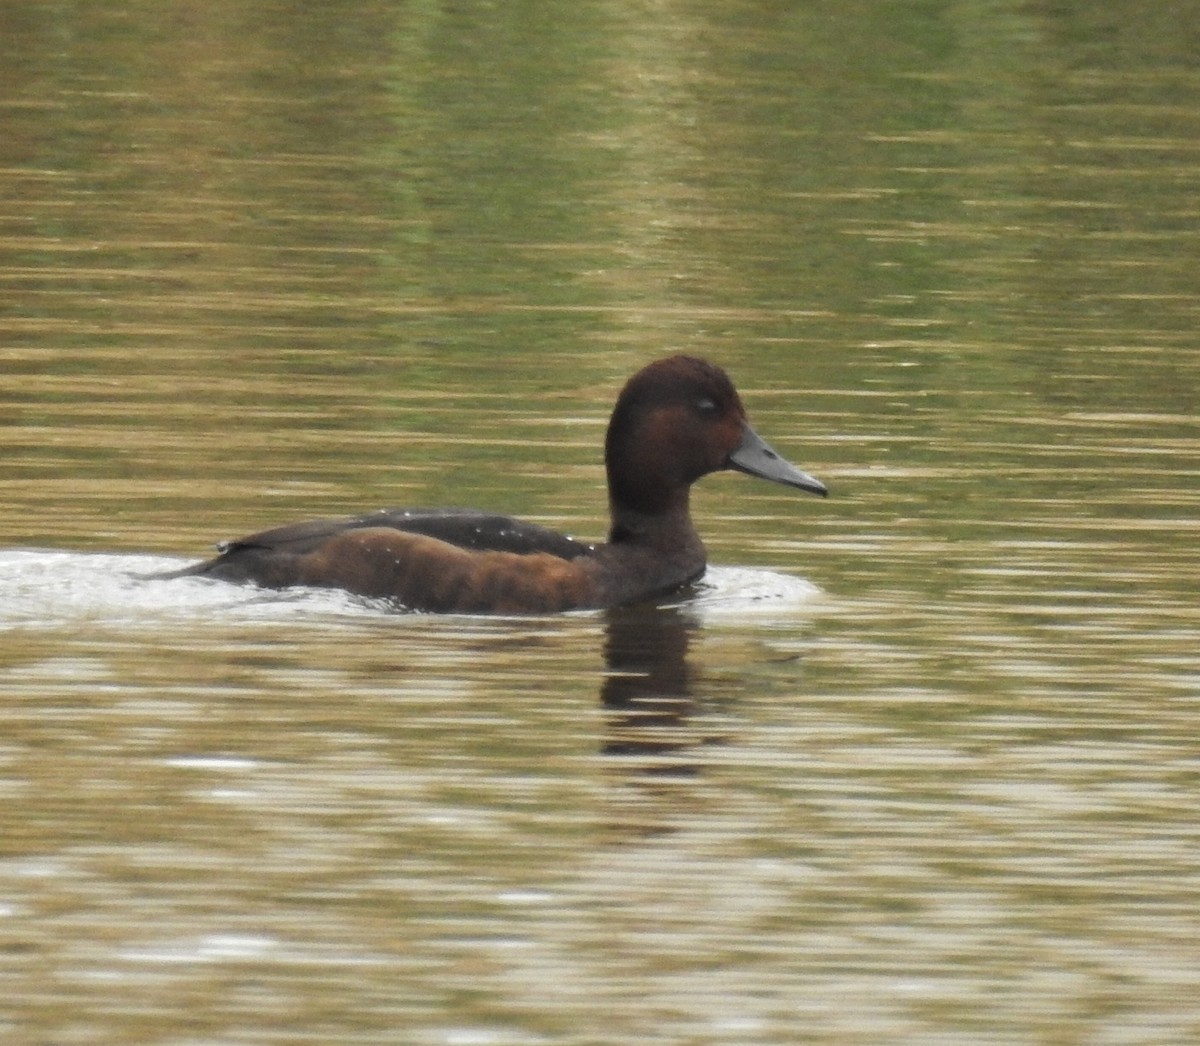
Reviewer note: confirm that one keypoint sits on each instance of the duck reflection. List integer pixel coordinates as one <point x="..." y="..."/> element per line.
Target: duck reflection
<point x="647" y="693"/>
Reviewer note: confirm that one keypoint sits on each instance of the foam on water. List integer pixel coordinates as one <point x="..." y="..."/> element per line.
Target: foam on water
<point x="749" y="590"/>
<point x="45" y="589"/>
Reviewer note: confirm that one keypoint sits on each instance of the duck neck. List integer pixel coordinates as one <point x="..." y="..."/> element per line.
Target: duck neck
<point x="649" y="553"/>
<point x="668" y="532"/>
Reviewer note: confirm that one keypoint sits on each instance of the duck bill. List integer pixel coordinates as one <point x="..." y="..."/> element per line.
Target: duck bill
<point x="755" y="458"/>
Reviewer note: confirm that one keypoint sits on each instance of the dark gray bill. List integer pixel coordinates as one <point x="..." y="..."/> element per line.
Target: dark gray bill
<point x="755" y="458"/>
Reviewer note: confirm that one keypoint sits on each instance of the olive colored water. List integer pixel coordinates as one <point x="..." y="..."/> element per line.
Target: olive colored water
<point x="263" y="262"/>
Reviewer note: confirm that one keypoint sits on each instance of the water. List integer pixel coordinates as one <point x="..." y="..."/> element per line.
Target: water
<point x="915" y="764"/>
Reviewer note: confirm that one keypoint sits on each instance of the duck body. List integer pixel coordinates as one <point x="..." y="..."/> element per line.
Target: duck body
<point x="676" y="420"/>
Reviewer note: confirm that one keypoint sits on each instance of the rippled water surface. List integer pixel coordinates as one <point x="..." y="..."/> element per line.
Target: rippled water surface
<point x="916" y="764"/>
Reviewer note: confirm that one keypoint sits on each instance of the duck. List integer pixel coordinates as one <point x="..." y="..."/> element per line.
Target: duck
<point x="676" y="420"/>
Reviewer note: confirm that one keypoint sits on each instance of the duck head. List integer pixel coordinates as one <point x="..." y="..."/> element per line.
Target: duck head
<point x="676" y="420"/>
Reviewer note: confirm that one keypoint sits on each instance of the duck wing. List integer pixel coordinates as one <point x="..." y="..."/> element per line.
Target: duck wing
<point x="464" y="528"/>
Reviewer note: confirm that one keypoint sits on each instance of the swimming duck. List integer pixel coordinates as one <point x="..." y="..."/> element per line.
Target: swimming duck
<point x="676" y="420"/>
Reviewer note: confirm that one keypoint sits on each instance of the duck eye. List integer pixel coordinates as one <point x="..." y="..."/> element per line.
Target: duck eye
<point x="706" y="406"/>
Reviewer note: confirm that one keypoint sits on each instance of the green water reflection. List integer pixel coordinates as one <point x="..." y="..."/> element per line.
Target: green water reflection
<point x="261" y="262"/>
